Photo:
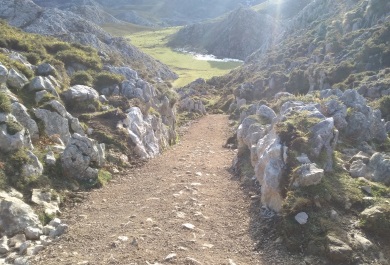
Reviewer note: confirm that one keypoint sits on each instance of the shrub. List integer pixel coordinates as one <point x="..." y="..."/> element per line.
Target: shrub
<point x="341" y="72"/>
<point x="33" y="58"/>
<point x="5" y="103"/>
<point x="384" y="106"/>
<point x="106" y="79"/>
<point x="81" y="78"/>
<point x="73" y="56"/>
<point x="23" y="69"/>
<point x="13" y="127"/>
<point x="298" y="83"/>
<point x="19" y="45"/>
<point x="103" y="177"/>
<point x="56" y="47"/>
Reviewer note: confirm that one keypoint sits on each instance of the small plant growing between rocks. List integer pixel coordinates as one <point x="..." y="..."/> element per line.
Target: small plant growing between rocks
<point x="5" y="103"/>
<point x="103" y="177"/>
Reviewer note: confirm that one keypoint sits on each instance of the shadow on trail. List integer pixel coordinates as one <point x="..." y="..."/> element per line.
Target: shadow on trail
<point x="263" y="227"/>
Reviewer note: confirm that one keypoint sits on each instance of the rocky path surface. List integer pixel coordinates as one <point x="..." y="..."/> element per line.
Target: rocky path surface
<point x="182" y="207"/>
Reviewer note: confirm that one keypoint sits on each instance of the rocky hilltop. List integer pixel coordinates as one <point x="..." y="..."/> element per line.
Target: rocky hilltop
<point x="235" y="36"/>
<point x="241" y="32"/>
<point x="71" y="27"/>
<point x="156" y="13"/>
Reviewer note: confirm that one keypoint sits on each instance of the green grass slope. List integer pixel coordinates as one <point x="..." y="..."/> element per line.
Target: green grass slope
<point x="154" y="43"/>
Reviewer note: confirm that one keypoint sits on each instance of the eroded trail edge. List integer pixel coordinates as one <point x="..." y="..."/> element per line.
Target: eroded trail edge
<point x="183" y="207"/>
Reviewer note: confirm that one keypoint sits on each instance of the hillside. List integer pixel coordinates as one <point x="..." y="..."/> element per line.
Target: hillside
<point x="312" y="112"/>
<point x="69" y="121"/>
<point x="155" y="13"/>
<point x="235" y="36"/>
<point x="241" y="32"/>
<point x="69" y="26"/>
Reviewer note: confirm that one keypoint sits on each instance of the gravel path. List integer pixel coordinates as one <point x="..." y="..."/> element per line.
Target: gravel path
<point x="183" y="207"/>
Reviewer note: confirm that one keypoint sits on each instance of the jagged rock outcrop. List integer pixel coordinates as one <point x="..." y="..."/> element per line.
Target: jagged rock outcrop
<point x="361" y="122"/>
<point x="16" y="80"/>
<point x="147" y="132"/>
<point x="269" y="148"/>
<point x="80" y="93"/>
<point x="33" y="168"/>
<point x="3" y="74"/>
<point x="54" y="124"/>
<point x="15" y="215"/>
<point x="12" y="139"/>
<point x="46" y="199"/>
<point x="40" y="83"/>
<point x="193" y="105"/>
<point x="23" y="117"/>
<point x="133" y="17"/>
<point x="81" y="157"/>
<point x="235" y="36"/>
<point x="70" y="27"/>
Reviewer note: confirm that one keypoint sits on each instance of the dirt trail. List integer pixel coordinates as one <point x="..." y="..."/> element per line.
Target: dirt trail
<point x="188" y="184"/>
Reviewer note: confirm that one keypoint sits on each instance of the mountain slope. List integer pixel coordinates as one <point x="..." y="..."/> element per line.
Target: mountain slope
<point x="241" y="32"/>
<point x="237" y="35"/>
<point x="68" y="26"/>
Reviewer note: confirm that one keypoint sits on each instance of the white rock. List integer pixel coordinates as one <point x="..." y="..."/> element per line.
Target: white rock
<point x="189" y="226"/>
<point x="33" y="233"/>
<point x="123" y="238"/>
<point x="302" y="218"/>
<point x="55" y="222"/>
<point x="4" y="245"/>
<point x="191" y="261"/>
<point x="46" y="199"/>
<point x="231" y="262"/>
<point x="47" y="229"/>
<point x="15" y="215"/>
<point x="23" y="247"/>
<point x="170" y="257"/>
<point x="60" y="230"/>
<point x="17" y="240"/>
<point x="50" y="158"/>
<point x="37" y="249"/>
<point x="22" y="261"/>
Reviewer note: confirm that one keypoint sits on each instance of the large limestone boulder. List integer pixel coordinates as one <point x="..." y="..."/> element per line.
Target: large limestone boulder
<point x="3" y="74"/>
<point x="33" y="168"/>
<point x="11" y="141"/>
<point x="138" y="89"/>
<point x="15" y="215"/>
<point x="324" y="138"/>
<point x="339" y="251"/>
<point x="269" y="170"/>
<point x="81" y="93"/>
<point x="46" y="69"/>
<point x="21" y="114"/>
<point x="140" y="130"/>
<point x="16" y="80"/>
<point x="130" y="90"/>
<point x="266" y="113"/>
<point x="81" y="156"/>
<point x="336" y="109"/>
<point x="192" y="105"/>
<point x="379" y="165"/>
<point x="54" y="123"/>
<point x="269" y="154"/>
<point x="40" y="83"/>
<point x="361" y="122"/>
<point x="46" y="199"/>
<point x="376" y="219"/>
<point x="127" y="72"/>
